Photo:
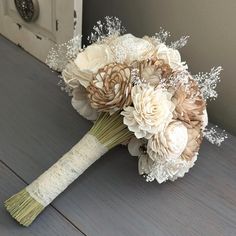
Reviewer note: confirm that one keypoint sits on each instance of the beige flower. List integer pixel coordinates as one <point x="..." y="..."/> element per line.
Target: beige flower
<point x="168" y="144"/>
<point x="193" y="143"/>
<point x="110" y="90"/>
<point x="90" y="61"/>
<point x="189" y="104"/>
<point x="151" y="111"/>
<point x="153" y="71"/>
<point x="171" y="154"/>
<point x="81" y="104"/>
<point x="170" y="56"/>
<point x="128" y="48"/>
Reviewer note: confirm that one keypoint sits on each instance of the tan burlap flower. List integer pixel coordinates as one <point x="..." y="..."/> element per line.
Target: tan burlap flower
<point x="110" y="89"/>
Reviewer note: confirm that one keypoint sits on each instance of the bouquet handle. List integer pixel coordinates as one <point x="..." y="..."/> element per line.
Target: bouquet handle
<point x="42" y="191"/>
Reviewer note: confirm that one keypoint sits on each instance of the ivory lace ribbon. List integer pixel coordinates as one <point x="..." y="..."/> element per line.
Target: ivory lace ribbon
<point x="58" y="177"/>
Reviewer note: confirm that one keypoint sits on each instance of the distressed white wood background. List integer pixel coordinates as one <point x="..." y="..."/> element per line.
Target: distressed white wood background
<point x="58" y="22"/>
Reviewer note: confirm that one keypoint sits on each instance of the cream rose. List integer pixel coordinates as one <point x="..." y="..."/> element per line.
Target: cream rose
<point x="151" y="111"/>
<point x="168" y="153"/>
<point x="128" y="48"/>
<point x="170" y="56"/>
<point x="169" y="144"/>
<point x="90" y="60"/>
<point x="161" y="158"/>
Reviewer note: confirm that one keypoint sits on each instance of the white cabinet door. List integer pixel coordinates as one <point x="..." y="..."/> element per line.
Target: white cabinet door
<point x="57" y="21"/>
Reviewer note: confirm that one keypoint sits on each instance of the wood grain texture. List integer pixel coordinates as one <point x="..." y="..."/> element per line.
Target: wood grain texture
<point x="38" y="125"/>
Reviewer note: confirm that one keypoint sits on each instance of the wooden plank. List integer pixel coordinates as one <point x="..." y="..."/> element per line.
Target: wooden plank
<point x="51" y="224"/>
<point x="38" y="125"/>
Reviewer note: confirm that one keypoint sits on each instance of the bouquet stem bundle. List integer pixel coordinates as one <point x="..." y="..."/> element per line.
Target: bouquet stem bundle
<point x="107" y="132"/>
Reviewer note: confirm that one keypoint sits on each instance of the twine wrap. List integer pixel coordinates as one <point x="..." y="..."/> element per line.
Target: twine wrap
<point x="57" y="178"/>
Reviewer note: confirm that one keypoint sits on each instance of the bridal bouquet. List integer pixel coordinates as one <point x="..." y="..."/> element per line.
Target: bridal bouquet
<point x="138" y="93"/>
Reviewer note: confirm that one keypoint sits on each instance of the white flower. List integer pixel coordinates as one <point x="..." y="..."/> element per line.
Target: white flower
<point x="184" y="167"/>
<point x="128" y="48"/>
<point x="162" y="172"/>
<point x="151" y="111"/>
<point x="90" y="60"/>
<point x="145" y="164"/>
<point x="169" y="144"/>
<point x="135" y="146"/>
<point x="170" y="56"/>
<point x="82" y="105"/>
<point x="69" y="75"/>
<point x="204" y="119"/>
<point x="163" y="160"/>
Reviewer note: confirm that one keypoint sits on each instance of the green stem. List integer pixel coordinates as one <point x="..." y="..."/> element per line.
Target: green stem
<point x="110" y="130"/>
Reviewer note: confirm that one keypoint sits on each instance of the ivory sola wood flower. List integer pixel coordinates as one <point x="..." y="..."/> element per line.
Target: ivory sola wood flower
<point x="151" y="111"/>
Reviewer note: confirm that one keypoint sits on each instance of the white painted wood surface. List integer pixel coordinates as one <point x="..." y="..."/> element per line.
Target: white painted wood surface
<point x="58" y="22"/>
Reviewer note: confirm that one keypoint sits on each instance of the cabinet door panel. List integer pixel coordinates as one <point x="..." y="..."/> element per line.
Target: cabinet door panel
<point x="56" y="23"/>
